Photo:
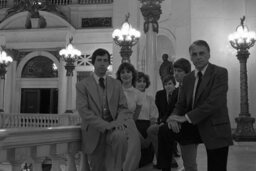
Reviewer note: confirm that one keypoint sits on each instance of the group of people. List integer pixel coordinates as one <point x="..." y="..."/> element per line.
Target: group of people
<point x="122" y="125"/>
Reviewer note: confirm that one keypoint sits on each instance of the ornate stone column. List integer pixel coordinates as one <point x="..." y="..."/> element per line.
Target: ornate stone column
<point x="242" y="40"/>
<point x="245" y="130"/>
<point x="2" y="85"/>
<point x="151" y="11"/>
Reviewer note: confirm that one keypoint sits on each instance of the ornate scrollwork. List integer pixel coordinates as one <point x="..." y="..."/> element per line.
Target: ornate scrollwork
<point x="33" y="7"/>
<point x="151" y="11"/>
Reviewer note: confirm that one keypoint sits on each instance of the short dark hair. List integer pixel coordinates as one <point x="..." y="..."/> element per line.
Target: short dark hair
<point x="200" y="43"/>
<point x="100" y="52"/>
<point x="165" y="55"/>
<point x="167" y="78"/>
<point x="145" y="76"/>
<point x="128" y="67"/>
<point x="183" y="64"/>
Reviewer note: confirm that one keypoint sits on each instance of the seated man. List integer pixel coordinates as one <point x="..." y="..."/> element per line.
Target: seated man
<point x="102" y="105"/>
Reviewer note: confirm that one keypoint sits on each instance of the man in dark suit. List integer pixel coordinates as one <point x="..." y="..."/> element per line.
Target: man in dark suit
<point x="203" y="102"/>
<point x="102" y="105"/>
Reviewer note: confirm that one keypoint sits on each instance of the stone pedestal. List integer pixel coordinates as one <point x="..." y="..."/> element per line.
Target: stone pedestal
<point x="34" y="22"/>
<point x="244" y="130"/>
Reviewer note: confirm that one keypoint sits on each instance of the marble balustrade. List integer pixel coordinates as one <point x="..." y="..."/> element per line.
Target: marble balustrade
<point x="10" y="120"/>
<point x="60" y="145"/>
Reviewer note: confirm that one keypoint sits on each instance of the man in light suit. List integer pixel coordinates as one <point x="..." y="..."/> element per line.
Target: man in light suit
<point x="203" y="102"/>
<point x="102" y="106"/>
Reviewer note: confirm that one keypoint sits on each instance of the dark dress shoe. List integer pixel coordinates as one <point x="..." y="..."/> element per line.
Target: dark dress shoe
<point x="156" y="166"/>
<point x="176" y="154"/>
<point x="174" y="164"/>
<point x="166" y="169"/>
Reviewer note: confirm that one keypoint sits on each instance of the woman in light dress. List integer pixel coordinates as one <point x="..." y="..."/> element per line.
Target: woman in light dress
<point x="126" y="73"/>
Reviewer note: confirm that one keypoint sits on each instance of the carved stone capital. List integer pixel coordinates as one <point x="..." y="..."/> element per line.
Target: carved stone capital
<point x="151" y="11"/>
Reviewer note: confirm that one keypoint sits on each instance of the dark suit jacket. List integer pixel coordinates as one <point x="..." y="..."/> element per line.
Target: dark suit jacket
<point x="163" y="107"/>
<point x="89" y="108"/>
<point x="210" y="112"/>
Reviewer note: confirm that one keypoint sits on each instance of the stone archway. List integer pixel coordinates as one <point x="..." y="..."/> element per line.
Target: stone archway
<point x="33" y="90"/>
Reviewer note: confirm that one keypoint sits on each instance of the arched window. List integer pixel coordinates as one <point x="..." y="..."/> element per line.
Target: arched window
<point x="39" y="67"/>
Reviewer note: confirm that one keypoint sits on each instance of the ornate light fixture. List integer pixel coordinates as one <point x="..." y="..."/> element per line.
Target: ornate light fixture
<point x="70" y="56"/>
<point x="5" y="61"/>
<point x="126" y="37"/>
<point x="242" y="40"/>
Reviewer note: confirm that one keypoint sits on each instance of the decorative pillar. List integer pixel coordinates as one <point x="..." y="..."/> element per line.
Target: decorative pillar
<point x="151" y="11"/>
<point x="5" y="60"/>
<point x="69" y="67"/>
<point x="2" y="84"/>
<point x="70" y="56"/>
<point x="242" y="40"/>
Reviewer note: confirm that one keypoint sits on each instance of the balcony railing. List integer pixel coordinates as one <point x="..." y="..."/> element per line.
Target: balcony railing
<point x="3" y="3"/>
<point x="60" y="145"/>
<point x="95" y="1"/>
<point x="9" y="120"/>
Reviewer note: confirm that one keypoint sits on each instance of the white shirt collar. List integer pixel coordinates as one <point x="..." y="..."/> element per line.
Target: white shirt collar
<point x="202" y="71"/>
<point x="96" y="77"/>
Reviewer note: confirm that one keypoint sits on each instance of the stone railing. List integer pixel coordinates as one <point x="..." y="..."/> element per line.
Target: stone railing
<point x="95" y="1"/>
<point x="3" y="3"/>
<point x="9" y="120"/>
<point x="10" y="3"/>
<point x="60" y="146"/>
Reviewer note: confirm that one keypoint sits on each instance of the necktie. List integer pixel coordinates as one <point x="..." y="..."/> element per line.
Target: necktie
<point x="169" y="98"/>
<point x="199" y="74"/>
<point x="101" y="81"/>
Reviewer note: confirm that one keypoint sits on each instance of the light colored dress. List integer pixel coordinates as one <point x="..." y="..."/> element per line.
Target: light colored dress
<point x="149" y="110"/>
<point x="134" y="97"/>
<point x="132" y="159"/>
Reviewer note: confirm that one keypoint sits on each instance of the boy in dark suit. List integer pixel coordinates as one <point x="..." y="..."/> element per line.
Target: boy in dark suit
<point x="165" y="101"/>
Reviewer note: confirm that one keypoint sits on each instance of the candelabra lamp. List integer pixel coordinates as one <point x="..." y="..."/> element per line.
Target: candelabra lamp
<point x="242" y="40"/>
<point x="5" y="61"/>
<point x="126" y="37"/>
<point x="70" y="56"/>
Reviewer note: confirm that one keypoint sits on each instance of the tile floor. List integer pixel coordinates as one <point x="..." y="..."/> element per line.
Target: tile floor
<point x="242" y="157"/>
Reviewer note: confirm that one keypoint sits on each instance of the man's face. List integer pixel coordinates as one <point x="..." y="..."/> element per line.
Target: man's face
<point x="199" y="56"/>
<point x="101" y="65"/>
<point x="169" y="86"/>
<point x="179" y="74"/>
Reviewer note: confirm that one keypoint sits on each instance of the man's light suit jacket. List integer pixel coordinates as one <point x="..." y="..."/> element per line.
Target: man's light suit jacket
<point x="90" y="109"/>
<point x="210" y="112"/>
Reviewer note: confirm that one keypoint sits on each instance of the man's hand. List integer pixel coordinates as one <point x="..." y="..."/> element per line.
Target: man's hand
<point x="177" y="118"/>
<point x="117" y="125"/>
<point x="174" y="126"/>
